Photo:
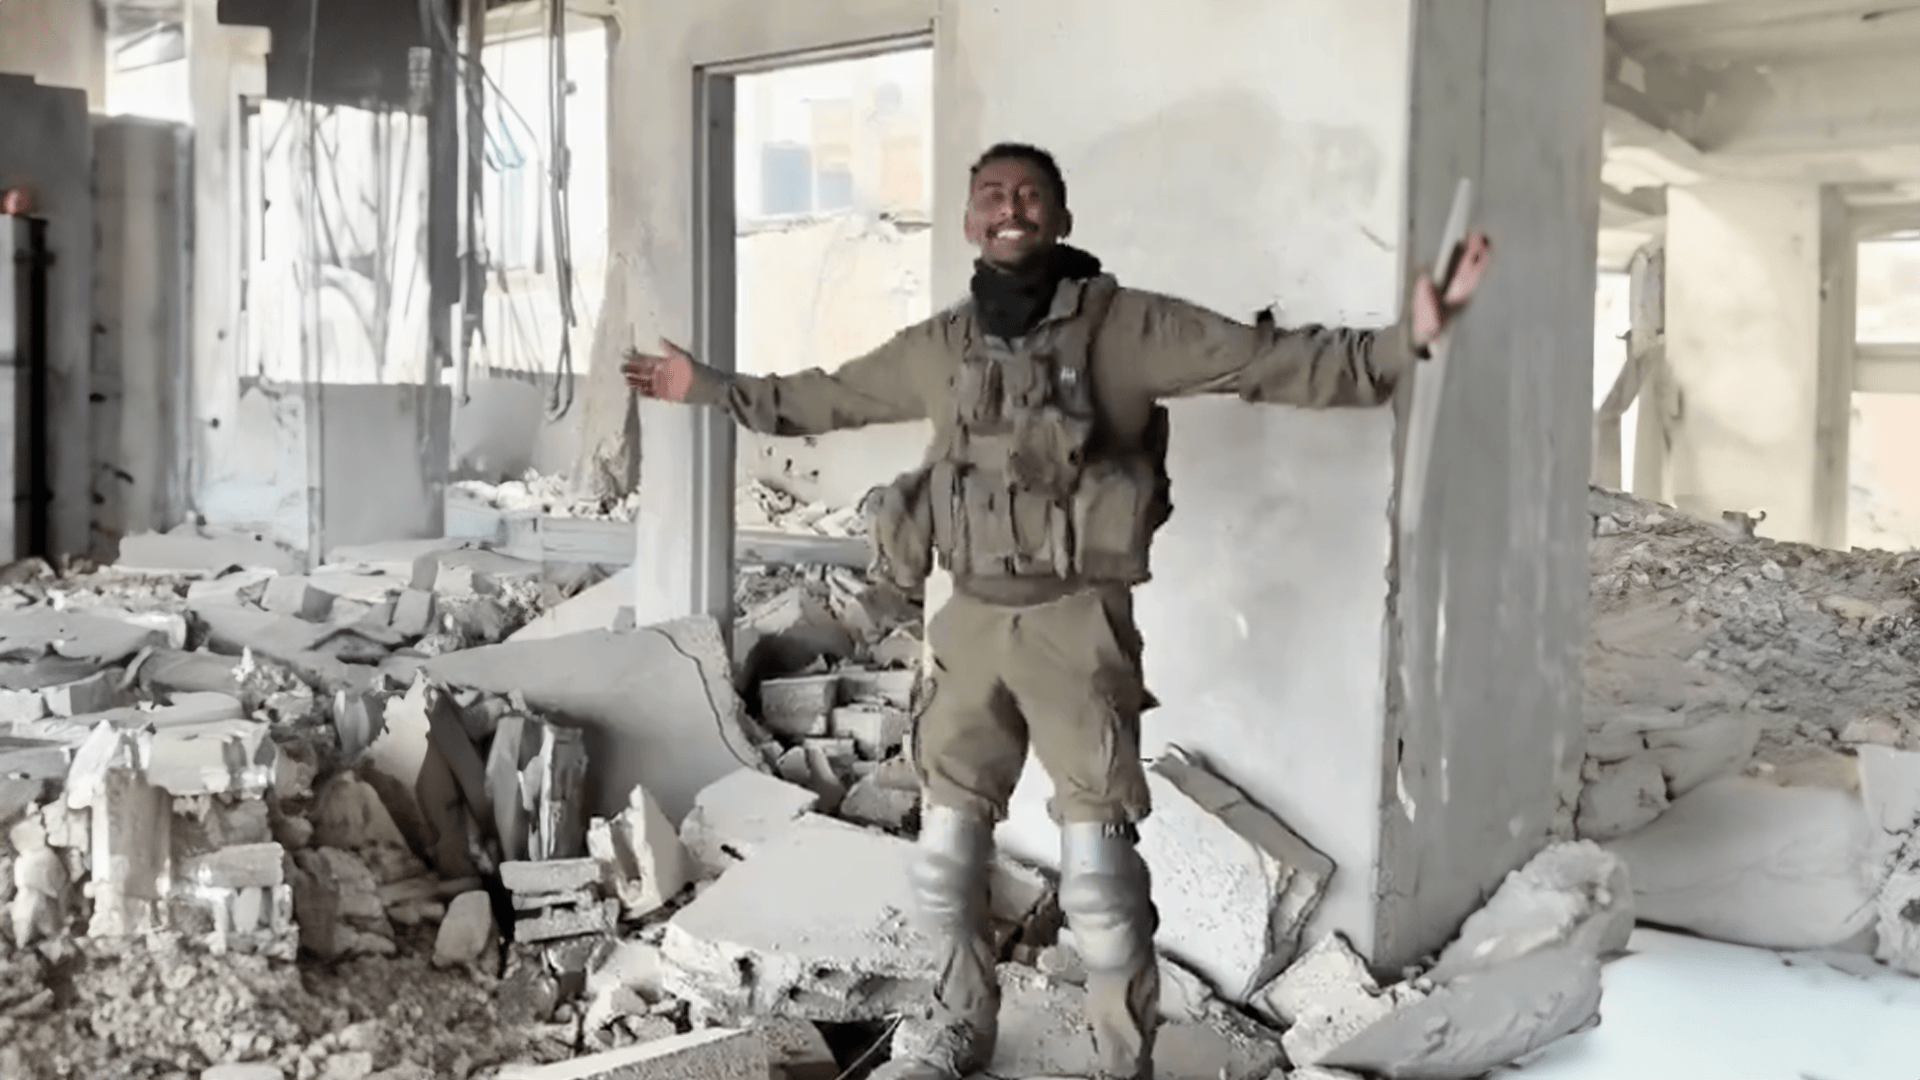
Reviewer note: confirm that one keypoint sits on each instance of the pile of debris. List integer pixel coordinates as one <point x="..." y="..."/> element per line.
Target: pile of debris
<point x="761" y="505"/>
<point x="1753" y="721"/>
<point x="540" y="493"/>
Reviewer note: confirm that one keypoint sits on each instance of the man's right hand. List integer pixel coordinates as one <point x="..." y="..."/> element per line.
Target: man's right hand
<point x="668" y="377"/>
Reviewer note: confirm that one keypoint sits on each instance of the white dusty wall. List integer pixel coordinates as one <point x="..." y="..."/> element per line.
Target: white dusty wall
<point x="1743" y="346"/>
<point x="58" y="42"/>
<point x="1223" y="162"/>
<point x="651" y="243"/>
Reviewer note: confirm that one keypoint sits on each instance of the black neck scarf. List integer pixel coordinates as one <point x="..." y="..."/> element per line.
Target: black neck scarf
<point x="1010" y="303"/>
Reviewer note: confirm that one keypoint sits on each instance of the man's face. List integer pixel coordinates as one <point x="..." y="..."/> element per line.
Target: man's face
<point x="1013" y="213"/>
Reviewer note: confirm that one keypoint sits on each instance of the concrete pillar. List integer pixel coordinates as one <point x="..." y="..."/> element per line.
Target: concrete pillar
<point x="1750" y="342"/>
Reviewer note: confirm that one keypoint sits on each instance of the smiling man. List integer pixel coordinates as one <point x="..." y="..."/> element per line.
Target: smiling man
<point x="1041" y="492"/>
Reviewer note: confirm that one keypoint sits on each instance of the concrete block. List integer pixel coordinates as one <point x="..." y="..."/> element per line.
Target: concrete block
<point x="1234" y="885"/>
<point x="657" y="706"/>
<point x="1043" y="1033"/>
<point x="800" y="707"/>
<point x="871" y="803"/>
<point x="878" y="730"/>
<point x="243" y="1072"/>
<point x="542" y="901"/>
<point x="712" y="1054"/>
<point x="213" y="757"/>
<point x="468" y="934"/>
<point x="1752" y="863"/>
<point x="1720" y="745"/>
<point x="95" y="694"/>
<point x="733" y="816"/>
<point x="893" y="688"/>
<point x="643" y="858"/>
<point x="797" y="1050"/>
<point x="239" y="867"/>
<point x="349" y="814"/>
<point x="294" y="594"/>
<point x="21" y="707"/>
<point x="838" y="946"/>
<point x="550" y="876"/>
<point x="1571" y="894"/>
<point x="1620" y="797"/>
<point x="553" y="923"/>
<point x="413" y="613"/>
<point x="337" y="904"/>
<point x="516" y="739"/>
<point x="170" y="671"/>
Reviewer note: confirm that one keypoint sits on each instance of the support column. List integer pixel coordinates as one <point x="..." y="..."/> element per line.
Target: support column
<point x="1754" y="356"/>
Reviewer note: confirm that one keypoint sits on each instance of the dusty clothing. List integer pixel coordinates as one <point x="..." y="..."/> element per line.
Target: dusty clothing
<point x="1145" y="348"/>
<point x="1063" y="676"/>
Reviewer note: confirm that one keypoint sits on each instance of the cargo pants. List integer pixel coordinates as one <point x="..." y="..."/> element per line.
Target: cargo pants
<point x="1064" y="677"/>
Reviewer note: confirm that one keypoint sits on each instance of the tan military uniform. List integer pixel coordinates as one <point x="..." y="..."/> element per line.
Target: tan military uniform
<point x="1043" y="485"/>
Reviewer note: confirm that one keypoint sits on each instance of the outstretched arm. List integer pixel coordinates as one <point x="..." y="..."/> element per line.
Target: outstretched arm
<point x="1187" y="349"/>
<point x="879" y="388"/>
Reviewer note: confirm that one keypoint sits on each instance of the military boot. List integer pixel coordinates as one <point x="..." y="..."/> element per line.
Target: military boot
<point x="1105" y="894"/>
<point x="950" y="884"/>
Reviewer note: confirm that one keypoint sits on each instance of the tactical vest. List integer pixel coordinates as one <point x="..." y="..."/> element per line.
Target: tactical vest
<point x="1018" y="482"/>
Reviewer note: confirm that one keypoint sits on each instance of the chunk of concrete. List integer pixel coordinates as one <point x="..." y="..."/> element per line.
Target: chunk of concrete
<point x="557" y="828"/>
<point x="21" y="707"/>
<point x="191" y="550"/>
<point x="94" y="694"/>
<point x="1043" y="1033"/>
<point x="243" y="1072"/>
<point x="1480" y="1021"/>
<point x="1890" y="788"/>
<point x="1571" y="894"/>
<point x="1326" y="998"/>
<point x="550" y="876"/>
<point x="348" y="814"/>
<point x="1620" y="797"/>
<point x="460" y="572"/>
<point x="170" y="671"/>
<point x="644" y="861"/>
<point x="838" y="946"/>
<point x="516" y="740"/>
<point x="595" y="608"/>
<point x="797" y="1050"/>
<point x="294" y="594"/>
<point x="734" y="815"/>
<point x="554" y="923"/>
<point x="872" y="803"/>
<point x="657" y="705"/>
<point x="34" y="632"/>
<point x="712" y="1054"/>
<point x="213" y="757"/>
<point x="468" y="933"/>
<point x="1235" y="886"/>
<point x="337" y="904"/>
<point x="413" y="614"/>
<point x="878" y="730"/>
<point x="418" y="786"/>
<point x="1720" y="745"/>
<point x="1752" y="863"/>
<point x="800" y="707"/>
<point x="239" y="867"/>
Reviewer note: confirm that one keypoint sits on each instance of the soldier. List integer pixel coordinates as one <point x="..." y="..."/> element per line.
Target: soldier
<point x="1041" y="492"/>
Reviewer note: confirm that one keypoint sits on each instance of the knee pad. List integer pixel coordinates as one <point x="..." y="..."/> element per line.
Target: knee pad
<point x="1105" y="895"/>
<point x="949" y="871"/>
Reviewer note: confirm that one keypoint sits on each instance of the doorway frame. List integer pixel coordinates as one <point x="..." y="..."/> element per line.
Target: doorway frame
<point x="716" y="292"/>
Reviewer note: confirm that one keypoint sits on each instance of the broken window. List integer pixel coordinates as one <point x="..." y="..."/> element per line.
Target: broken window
<point x="1883" y="472"/>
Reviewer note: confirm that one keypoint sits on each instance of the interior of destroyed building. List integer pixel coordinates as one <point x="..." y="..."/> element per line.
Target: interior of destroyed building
<point x="388" y="691"/>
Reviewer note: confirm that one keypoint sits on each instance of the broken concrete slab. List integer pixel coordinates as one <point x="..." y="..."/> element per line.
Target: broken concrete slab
<point x="657" y="705"/>
<point x="212" y="757"/>
<point x="557" y="779"/>
<point x="839" y="946"/>
<point x="1753" y="863"/>
<point x="877" y="730"/>
<point x="190" y="549"/>
<point x="170" y="671"/>
<point x="1326" y="998"/>
<point x="414" y="611"/>
<point x="417" y="785"/>
<point x="94" y="694"/>
<point x="1235" y="885"/>
<point x="1619" y="797"/>
<point x="872" y="803"/>
<point x="516" y="740"/>
<point x="734" y="815"/>
<point x="550" y="876"/>
<point x="595" y="608"/>
<point x="1478" y="1022"/>
<point x="457" y="572"/>
<point x="285" y="640"/>
<point x="644" y="861"/>
<point x="1572" y="894"/>
<point x="33" y="633"/>
<point x="295" y="595"/>
<point x="239" y="867"/>
<point x="712" y="1054"/>
<point x="1043" y="1033"/>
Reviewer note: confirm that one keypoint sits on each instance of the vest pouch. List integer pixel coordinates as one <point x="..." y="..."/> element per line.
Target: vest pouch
<point x="987" y="527"/>
<point x="1048" y="449"/>
<point x="1113" y="519"/>
<point x="900" y="527"/>
<point x="977" y="393"/>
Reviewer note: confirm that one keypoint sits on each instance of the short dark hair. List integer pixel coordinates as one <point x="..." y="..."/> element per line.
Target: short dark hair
<point x="1032" y="155"/>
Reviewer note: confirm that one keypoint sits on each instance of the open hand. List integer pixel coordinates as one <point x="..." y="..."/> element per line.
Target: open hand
<point x="668" y="377"/>
<point x="1431" y="311"/>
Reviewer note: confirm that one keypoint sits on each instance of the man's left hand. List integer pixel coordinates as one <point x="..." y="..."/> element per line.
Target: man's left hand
<point x="1431" y="311"/>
